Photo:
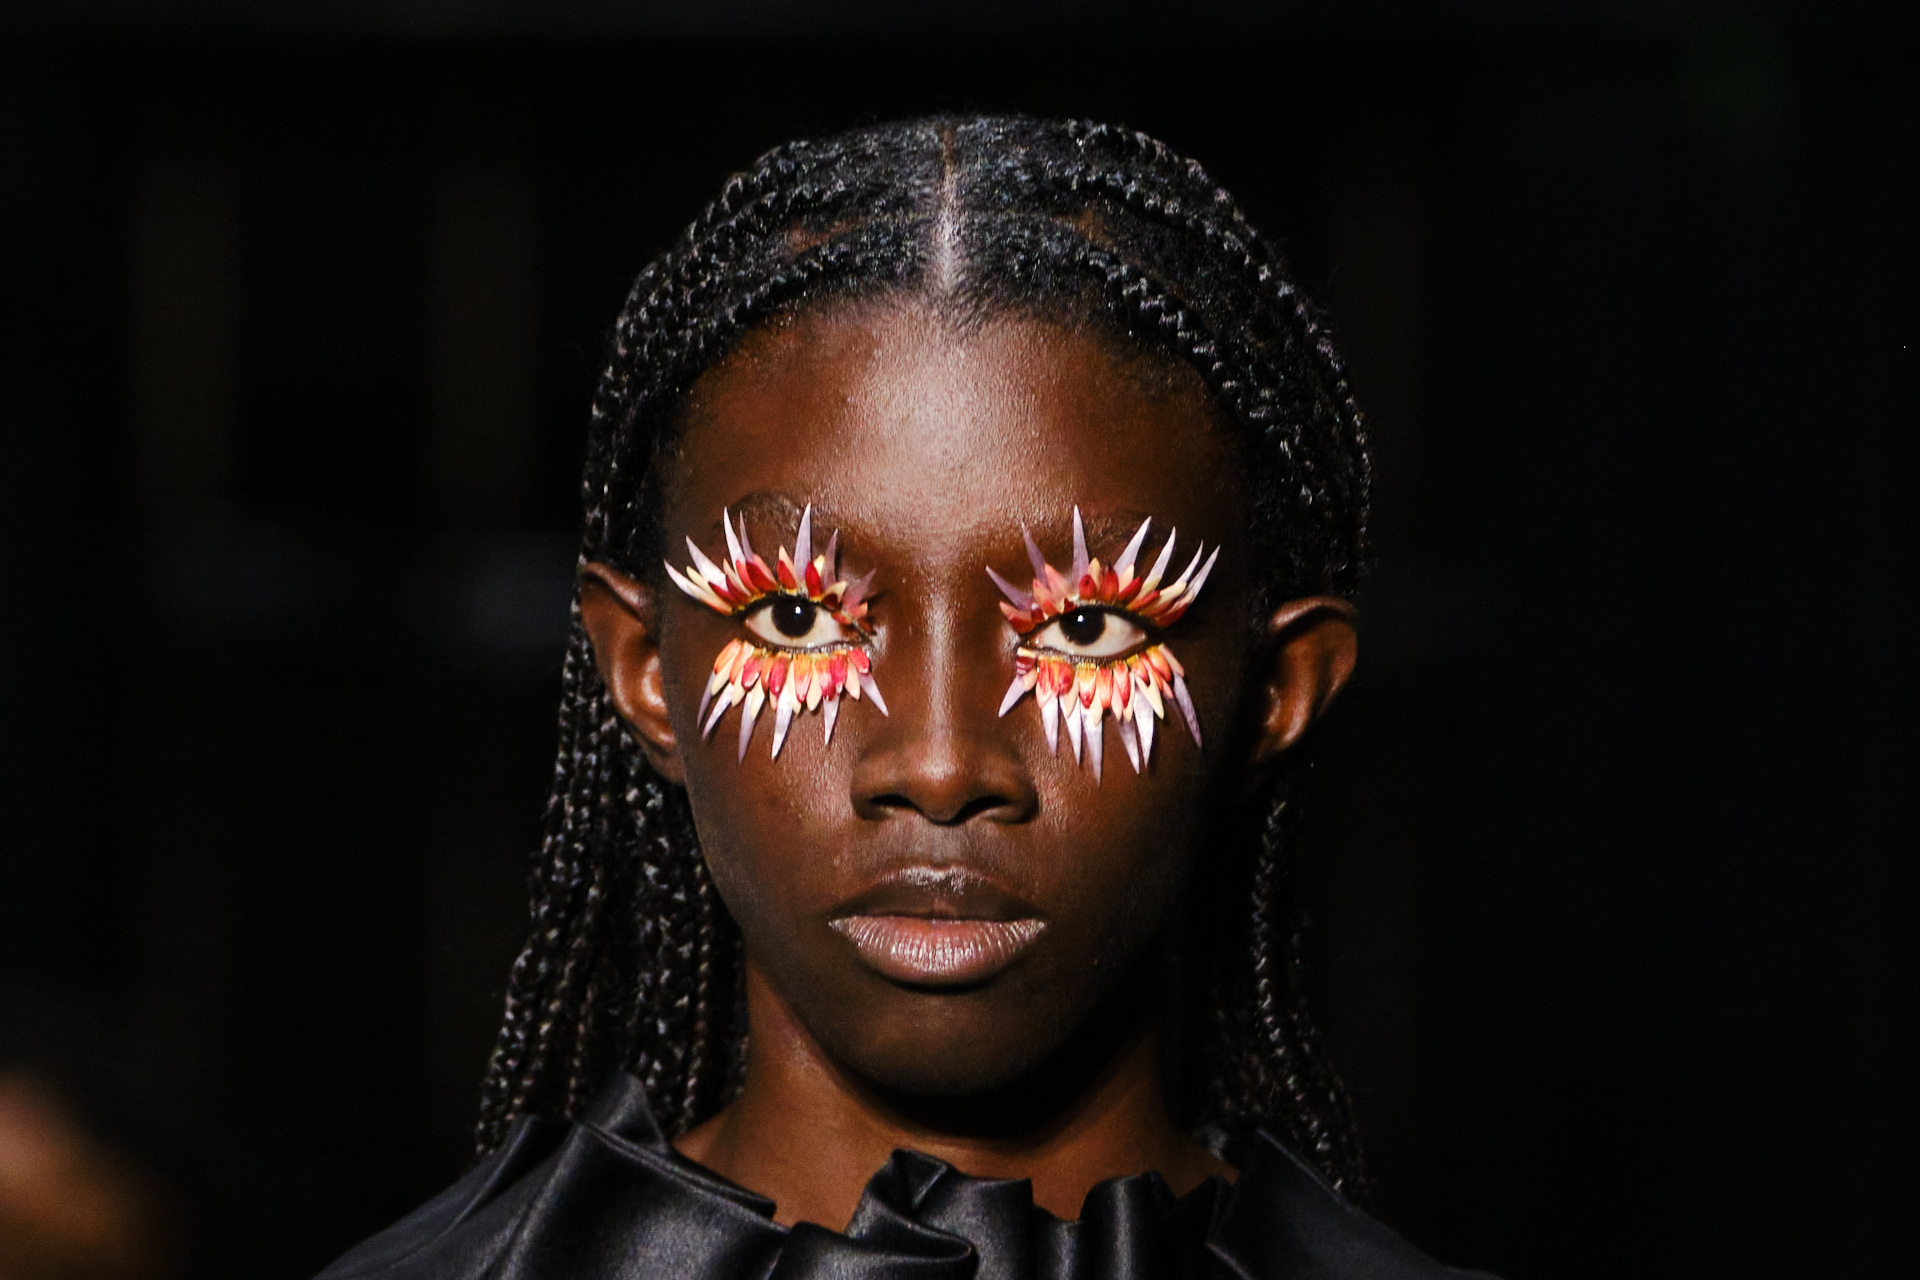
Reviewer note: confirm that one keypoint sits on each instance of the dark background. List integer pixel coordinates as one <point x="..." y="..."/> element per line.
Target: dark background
<point x="303" y="307"/>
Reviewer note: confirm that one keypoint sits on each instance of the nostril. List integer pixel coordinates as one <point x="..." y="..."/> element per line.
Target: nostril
<point x="975" y="808"/>
<point x="979" y="806"/>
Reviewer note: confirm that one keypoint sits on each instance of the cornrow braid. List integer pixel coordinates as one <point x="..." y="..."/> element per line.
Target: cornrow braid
<point x="631" y="960"/>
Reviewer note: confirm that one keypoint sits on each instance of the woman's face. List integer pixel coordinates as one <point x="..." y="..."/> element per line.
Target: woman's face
<point x="926" y="450"/>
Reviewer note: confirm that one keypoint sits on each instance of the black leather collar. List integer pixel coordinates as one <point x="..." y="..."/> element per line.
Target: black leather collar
<point x="607" y="1198"/>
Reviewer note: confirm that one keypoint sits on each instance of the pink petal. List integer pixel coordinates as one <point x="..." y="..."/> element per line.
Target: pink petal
<point x="856" y="592"/>
<point x="1033" y="554"/>
<point x="1021" y="600"/>
<point x="746" y="547"/>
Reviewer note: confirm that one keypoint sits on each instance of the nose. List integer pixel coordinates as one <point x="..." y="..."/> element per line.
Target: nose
<point x="945" y="753"/>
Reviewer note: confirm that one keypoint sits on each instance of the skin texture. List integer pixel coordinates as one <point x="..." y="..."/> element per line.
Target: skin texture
<point x="926" y="447"/>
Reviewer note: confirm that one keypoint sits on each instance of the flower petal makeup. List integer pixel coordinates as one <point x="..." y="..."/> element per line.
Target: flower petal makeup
<point x="1085" y="645"/>
<point x="806" y="632"/>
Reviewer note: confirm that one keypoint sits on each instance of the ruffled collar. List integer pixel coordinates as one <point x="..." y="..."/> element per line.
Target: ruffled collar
<point x="608" y="1198"/>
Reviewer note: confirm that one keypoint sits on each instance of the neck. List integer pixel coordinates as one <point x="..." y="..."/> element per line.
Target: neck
<point x="808" y="1135"/>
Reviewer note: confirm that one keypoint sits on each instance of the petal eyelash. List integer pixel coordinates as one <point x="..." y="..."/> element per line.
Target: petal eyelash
<point x="1133" y="691"/>
<point x="754" y="676"/>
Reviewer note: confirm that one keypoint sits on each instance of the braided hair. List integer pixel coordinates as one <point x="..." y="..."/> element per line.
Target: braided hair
<point x="632" y="961"/>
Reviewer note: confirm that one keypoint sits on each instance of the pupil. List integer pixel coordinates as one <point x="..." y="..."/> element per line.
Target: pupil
<point x="793" y="618"/>
<point x="1083" y="626"/>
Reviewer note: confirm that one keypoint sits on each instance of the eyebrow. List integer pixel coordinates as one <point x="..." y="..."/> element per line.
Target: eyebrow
<point x="1107" y="531"/>
<point x="764" y="506"/>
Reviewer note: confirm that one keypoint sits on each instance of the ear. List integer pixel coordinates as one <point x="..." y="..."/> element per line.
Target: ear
<point x="1309" y="653"/>
<point x="619" y="615"/>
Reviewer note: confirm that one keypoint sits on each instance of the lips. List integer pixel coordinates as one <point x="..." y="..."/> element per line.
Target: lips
<point x="938" y="927"/>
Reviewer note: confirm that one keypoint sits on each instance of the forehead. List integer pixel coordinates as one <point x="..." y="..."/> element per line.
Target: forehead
<point x="899" y="423"/>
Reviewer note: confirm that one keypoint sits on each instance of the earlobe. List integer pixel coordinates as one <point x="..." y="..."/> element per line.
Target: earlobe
<point x="1310" y="653"/>
<point x="619" y="614"/>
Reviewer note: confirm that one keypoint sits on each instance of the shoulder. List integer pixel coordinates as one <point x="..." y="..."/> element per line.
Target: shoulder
<point x="1282" y="1219"/>
<point x="604" y="1197"/>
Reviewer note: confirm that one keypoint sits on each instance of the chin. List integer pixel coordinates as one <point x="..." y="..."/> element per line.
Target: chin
<point x="957" y="1044"/>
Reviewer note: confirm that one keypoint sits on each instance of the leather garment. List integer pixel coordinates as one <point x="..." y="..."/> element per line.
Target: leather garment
<point x="607" y="1198"/>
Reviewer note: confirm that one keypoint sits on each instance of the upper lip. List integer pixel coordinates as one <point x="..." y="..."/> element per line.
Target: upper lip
<point x="937" y="893"/>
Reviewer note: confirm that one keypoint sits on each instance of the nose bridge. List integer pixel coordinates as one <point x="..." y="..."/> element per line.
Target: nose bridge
<point x="944" y="752"/>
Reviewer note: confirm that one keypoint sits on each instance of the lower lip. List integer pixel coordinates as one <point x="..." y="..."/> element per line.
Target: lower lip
<point x="938" y="953"/>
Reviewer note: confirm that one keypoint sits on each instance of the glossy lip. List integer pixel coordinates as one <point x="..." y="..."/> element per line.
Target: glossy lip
<point x="938" y="927"/>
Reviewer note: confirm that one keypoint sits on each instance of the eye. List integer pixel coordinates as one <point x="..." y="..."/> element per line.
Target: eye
<point x="788" y="622"/>
<point x="1089" y="633"/>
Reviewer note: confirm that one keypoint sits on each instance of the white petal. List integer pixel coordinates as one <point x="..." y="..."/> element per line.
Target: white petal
<point x="873" y="691"/>
<point x="1180" y="583"/>
<point x="1079" y="548"/>
<point x="1130" y="740"/>
<point x="728" y="696"/>
<point x="1014" y="693"/>
<point x="1127" y="557"/>
<point x="782" y="718"/>
<point x="1201" y="581"/>
<point x="1050" y="720"/>
<point x="755" y="700"/>
<point x="830" y="713"/>
<point x="708" y="569"/>
<point x="1186" y="708"/>
<point x="803" y="545"/>
<point x="733" y="543"/>
<point x="1096" y="738"/>
<point x="1160" y="565"/>
<point x="1074" y="727"/>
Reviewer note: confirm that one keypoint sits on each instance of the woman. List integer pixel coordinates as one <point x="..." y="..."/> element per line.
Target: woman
<point x="934" y="461"/>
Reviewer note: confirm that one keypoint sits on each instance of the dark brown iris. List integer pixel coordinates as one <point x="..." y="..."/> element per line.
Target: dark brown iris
<point x="793" y="618"/>
<point x="1083" y="626"/>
